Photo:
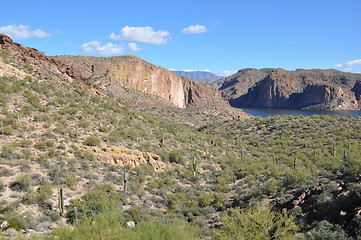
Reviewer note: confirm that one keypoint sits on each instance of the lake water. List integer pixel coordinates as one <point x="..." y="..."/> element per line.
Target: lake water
<point x="265" y="112"/>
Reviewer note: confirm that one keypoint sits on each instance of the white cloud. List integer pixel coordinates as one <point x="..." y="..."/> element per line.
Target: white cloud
<point x="141" y="34"/>
<point x="22" y="31"/>
<point x="98" y="48"/>
<point x="195" y="29"/>
<point x="134" y="47"/>
<point x="352" y="63"/>
<point x="339" y="65"/>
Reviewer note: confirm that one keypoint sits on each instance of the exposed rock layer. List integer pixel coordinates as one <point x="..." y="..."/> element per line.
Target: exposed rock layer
<point x="130" y="72"/>
<point x="122" y="156"/>
<point x="278" y="88"/>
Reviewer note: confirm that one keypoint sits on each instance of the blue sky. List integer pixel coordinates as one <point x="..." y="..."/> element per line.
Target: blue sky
<point x="219" y="36"/>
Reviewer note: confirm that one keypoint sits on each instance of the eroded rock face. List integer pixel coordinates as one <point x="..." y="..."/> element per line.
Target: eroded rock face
<point x="198" y="94"/>
<point x="278" y="88"/>
<point x="8" y="70"/>
<point x="130" y="72"/>
<point x="122" y="156"/>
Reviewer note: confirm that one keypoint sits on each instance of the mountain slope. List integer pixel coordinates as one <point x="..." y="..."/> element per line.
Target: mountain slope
<point x="278" y="88"/>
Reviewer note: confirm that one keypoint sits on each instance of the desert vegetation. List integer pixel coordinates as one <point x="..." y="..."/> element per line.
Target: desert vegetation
<point x="278" y="177"/>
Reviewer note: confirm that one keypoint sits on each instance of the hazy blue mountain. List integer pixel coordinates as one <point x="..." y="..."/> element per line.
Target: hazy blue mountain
<point x="202" y="76"/>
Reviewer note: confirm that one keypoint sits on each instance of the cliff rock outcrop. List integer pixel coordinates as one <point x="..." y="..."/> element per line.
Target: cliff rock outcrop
<point x="130" y="72"/>
<point x="278" y="88"/>
<point x="197" y="94"/>
<point x="122" y="156"/>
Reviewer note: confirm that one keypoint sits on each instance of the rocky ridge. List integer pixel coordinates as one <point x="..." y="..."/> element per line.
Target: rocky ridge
<point x="278" y="88"/>
<point x="132" y="72"/>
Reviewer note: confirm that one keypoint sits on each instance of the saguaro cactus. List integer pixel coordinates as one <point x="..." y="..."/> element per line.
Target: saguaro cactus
<point x="61" y="201"/>
<point x="125" y="180"/>
<point x="294" y="161"/>
<point x="75" y="214"/>
<point x="194" y="166"/>
<point x="334" y="149"/>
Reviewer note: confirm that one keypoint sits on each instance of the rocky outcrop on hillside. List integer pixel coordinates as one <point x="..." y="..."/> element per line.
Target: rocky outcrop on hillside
<point x="278" y="88"/>
<point x="130" y="72"/>
<point x="122" y="157"/>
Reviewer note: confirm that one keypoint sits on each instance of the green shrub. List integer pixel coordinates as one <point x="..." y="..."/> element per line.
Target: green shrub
<point x="111" y="225"/>
<point x="21" y="183"/>
<point x="16" y="222"/>
<point x="257" y="222"/>
<point x="44" y="145"/>
<point x="44" y="192"/>
<point x="71" y="181"/>
<point x="92" y="141"/>
<point x="7" y="130"/>
<point x="96" y="201"/>
<point x="175" y="156"/>
<point x="205" y="200"/>
<point x="84" y="124"/>
<point x="326" y="231"/>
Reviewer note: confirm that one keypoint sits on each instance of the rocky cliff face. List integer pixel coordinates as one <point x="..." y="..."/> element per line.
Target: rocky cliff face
<point x="278" y="88"/>
<point x="130" y="72"/>
<point x="197" y="94"/>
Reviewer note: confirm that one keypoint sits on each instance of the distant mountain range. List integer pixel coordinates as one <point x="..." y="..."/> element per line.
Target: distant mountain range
<point x="203" y="77"/>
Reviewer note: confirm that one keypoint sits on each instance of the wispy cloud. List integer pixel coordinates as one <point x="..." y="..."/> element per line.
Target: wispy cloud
<point x="97" y="48"/>
<point x="23" y="31"/>
<point x="195" y="29"/>
<point x="141" y="34"/>
<point x="338" y="65"/>
<point x="352" y="63"/>
<point x="134" y="47"/>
